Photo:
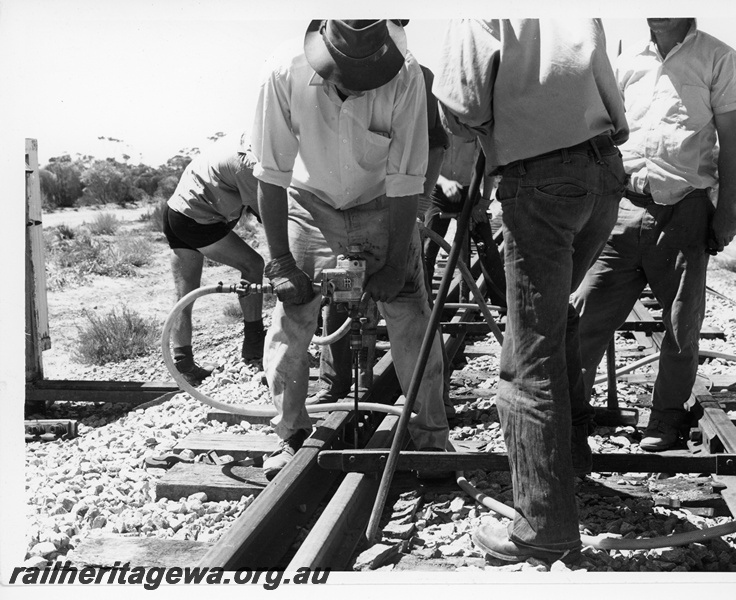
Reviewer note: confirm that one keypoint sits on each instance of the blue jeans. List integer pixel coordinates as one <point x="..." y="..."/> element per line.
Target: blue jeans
<point x="285" y="355"/>
<point x="663" y="246"/>
<point x="558" y="211"/>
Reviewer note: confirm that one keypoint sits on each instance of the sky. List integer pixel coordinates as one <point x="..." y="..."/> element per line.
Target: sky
<point x="162" y="75"/>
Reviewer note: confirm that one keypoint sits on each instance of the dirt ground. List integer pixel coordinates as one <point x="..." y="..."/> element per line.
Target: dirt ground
<point x="150" y="294"/>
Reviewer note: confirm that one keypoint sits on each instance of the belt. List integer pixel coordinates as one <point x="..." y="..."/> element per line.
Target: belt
<point x="594" y="144"/>
<point x="646" y="199"/>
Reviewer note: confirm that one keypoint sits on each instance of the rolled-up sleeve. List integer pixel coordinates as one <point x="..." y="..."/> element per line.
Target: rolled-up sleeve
<point x="273" y="141"/>
<point x="409" y="150"/>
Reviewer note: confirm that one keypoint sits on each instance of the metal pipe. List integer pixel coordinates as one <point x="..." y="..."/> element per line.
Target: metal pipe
<point x="429" y="334"/>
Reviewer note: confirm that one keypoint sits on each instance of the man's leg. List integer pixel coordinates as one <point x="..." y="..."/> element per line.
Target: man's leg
<point x="676" y="266"/>
<point x="407" y="318"/>
<point x="313" y="250"/>
<point x="603" y="301"/>
<point x="544" y="225"/>
<point x="335" y="365"/>
<point x="186" y="267"/>
<point x="492" y="262"/>
<point x="232" y="251"/>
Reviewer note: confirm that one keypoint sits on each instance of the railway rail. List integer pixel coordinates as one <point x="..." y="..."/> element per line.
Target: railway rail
<point x="315" y="513"/>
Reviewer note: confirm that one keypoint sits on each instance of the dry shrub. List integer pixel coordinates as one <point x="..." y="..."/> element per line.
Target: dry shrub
<point x="233" y="311"/>
<point x="71" y="261"/>
<point x="154" y="217"/>
<point x="104" y="224"/>
<point x="115" y="336"/>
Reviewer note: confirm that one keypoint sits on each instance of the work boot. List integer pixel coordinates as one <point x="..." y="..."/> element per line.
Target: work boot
<point x="325" y="396"/>
<point x="659" y="436"/>
<point x="193" y="373"/>
<point x="494" y="539"/>
<point x="582" y="456"/>
<point x="279" y="459"/>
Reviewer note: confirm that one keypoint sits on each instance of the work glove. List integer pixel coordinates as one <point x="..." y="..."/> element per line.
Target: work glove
<point x="291" y="284"/>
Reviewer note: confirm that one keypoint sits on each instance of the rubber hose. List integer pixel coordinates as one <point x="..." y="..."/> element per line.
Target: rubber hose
<point x="603" y="542"/>
<point x="653" y="357"/>
<point x="247" y="411"/>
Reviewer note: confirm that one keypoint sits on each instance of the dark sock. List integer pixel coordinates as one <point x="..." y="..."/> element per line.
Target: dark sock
<point x="253" y="330"/>
<point x="253" y="336"/>
<point x="253" y="325"/>
<point x="182" y="353"/>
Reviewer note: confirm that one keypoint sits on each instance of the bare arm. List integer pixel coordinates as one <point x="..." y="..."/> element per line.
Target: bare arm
<point x="273" y="207"/>
<point x="723" y="226"/>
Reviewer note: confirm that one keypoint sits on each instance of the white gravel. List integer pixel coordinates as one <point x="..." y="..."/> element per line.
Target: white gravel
<point x="97" y="483"/>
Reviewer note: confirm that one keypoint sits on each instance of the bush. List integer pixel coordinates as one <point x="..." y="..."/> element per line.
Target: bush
<point x="104" y="224"/>
<point x="132" y="251"/>
<point x="72" y="261"/>
<point x="63" y="232"/>
<point x="233" y="311"/>
<point x="155" y="217"/>
<point x="166" y="186"/>
<point x="115" y="336"/>
<point x="109" y="182"/>
<point x="61" y="182"/>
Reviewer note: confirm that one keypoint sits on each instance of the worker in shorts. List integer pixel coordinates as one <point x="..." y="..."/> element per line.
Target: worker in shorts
<point x="198" y="221"/>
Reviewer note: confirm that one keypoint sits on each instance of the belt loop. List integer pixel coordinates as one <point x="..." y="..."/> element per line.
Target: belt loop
<point x="598" y="157"/>
<point x="565" y="155"/>
<point x="522" y="170"/>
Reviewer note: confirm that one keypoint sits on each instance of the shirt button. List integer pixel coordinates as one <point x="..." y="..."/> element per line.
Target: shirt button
<point x="346" y="167"/>
<point x="344" y="141"/>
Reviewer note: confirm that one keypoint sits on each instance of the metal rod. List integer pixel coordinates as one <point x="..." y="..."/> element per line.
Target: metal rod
<point x="612" y="400"/>
<point x="434" y="319"/>
<point x="470" y="283"/>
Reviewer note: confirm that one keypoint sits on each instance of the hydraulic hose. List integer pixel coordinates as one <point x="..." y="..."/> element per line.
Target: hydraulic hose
<point x="247" y="411"/>
<point x="604" y="542"/>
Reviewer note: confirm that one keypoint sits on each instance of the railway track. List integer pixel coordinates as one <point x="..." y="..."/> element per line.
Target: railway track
<point x="315" y="513"/>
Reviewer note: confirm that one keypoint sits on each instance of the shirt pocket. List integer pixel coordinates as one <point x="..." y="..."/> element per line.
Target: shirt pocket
<point x="373" y="150"/>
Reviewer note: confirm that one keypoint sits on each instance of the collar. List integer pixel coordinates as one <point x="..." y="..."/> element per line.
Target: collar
<point x="652" y="45"/>
<point x="318" y="81"/>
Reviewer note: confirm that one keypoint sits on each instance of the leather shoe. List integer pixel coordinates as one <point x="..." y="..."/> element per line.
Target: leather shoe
<point x="659" y="436"/>
<point x="279" y="459"/>
<point x="325" y="396"/>
<point x="494" y="539"/>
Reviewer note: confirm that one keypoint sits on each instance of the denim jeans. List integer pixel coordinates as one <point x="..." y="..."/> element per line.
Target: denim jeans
<point x="558" y="211"/>
<point x="663" y="246"/>
<point x="285" y="359"/>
